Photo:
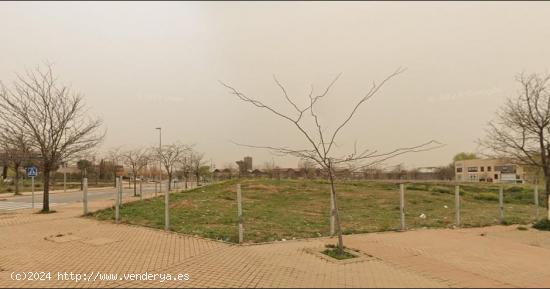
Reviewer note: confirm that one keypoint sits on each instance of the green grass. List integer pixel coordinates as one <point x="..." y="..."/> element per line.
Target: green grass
<point x="287" y="209"/>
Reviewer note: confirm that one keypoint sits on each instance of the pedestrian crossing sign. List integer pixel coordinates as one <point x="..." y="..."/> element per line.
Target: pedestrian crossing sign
<point x="32" y="171"/>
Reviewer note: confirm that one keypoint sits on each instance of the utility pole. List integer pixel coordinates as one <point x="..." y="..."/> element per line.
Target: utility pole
<point x="160" y="159"/>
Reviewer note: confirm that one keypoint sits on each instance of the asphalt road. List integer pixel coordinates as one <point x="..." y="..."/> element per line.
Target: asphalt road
<point x="60" y="198"/>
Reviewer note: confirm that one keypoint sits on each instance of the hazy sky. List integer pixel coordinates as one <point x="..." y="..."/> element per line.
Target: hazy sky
<point x="143" y="65"/>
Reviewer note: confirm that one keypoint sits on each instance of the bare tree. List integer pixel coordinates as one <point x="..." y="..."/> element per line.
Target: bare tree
<point x="521" y="130"/>
<point x="170" y="156"/>
<point x="306" y="166"/>
<point x="42" y="109"/>
<point x="136" y="159"/>
<point x="115" y="156"/>
<point x="17" y="151"/>
<point x="186" y="166"/>
<point x="322" y="144"/>
<point x="197" y="161"/>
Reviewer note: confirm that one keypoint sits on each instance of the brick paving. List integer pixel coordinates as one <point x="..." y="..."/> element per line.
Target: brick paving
<point x="66" y="242"/>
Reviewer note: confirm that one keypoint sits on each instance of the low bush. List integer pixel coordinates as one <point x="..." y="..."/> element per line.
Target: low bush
<point x="442" y="190"/>
<point x="543" y="225"/>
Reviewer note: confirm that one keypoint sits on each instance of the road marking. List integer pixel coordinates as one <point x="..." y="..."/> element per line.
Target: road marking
<point x="11" y="206"/>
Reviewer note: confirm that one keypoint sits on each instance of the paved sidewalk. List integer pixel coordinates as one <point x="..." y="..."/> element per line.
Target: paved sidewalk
<point x="65" y="242"/>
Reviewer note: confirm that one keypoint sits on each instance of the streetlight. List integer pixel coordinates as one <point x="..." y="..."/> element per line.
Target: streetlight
<point x="160" y="159"/>
<point x="65" y="163"/>
<point x="167" y="194"/>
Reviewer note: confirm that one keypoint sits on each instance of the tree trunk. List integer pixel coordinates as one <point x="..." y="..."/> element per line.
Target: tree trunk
<point x="186" y="177"/>
<point x="198" y="178"/>
<point x="336" y="214"/>
<point x="547" y="186"/>
<point x="169" y="182"/>
<point x="135" y="192"/>
<point x="16" y="167"/>
<point x="4" y="171"/>
<point x="46" y="196"/>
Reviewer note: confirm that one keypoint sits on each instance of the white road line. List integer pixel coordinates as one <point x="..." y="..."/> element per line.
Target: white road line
<point x="11" y="206"/>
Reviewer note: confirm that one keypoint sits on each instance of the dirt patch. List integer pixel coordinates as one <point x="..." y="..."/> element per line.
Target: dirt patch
<point x="62" y="238"/>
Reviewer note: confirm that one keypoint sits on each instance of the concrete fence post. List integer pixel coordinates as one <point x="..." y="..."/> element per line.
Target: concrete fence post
<point x="240" y="212"/>
<point x="85" y="196"/>
<point x="167" y="210"/>
<point x="536" y="201"/>
<point x="120" y="191"/>
<point x="457" y="205"/>
<point x="402" y="205"/>
<point x="331" y="215"/>
<point x="117" y="201"/>
<point x="501" y="203"/>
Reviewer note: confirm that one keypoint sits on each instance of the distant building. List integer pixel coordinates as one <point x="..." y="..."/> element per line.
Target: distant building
<point x="248" y="163"/>
<point x="245" y="166"/>
<point x="488" y="170"/>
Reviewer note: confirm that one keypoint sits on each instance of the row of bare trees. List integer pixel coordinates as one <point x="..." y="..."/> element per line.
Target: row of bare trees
<point x="176" y="160"/>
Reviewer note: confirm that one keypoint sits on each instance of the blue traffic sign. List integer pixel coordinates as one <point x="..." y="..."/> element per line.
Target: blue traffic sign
<point x="32" y="171"/>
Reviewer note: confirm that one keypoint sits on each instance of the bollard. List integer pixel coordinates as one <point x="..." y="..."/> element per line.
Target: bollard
<point x="457" y="205"/>
<point x="117" y="201"/>
<point x="240" y="212"/>
<point x="537" y="201"/>
<point x="402" y="205"/>
<point x="331" y="216"/>
<point x="32" y="185"/>
<point x="85" y="196"/>
<point x="501" y="203"/>
<point x="167" y="210"/>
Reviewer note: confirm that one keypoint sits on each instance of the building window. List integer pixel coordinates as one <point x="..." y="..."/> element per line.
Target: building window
<point x="496" y="177"/>
<point x="459" y="170"/>
<point x="472" y="169"/>
<point x="488" y="169"/>
<point x="482" y="169"/>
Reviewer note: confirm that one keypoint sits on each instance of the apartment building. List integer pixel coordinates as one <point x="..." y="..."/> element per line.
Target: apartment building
<point x="488" y="170"/>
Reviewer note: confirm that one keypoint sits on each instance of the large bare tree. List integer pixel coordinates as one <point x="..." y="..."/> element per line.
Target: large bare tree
<point x="521" y="130"/>
<point x="42" y="108"/>
<point x="321" y="143"/>
<point x="136" y="159"/>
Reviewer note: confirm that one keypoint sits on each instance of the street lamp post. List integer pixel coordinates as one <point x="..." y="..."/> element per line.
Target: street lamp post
<point x="160" y="159"/>
<point x="167" y="194"/>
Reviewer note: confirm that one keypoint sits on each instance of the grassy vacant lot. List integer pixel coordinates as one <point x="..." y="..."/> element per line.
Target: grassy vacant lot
<point x="287" y="209"/>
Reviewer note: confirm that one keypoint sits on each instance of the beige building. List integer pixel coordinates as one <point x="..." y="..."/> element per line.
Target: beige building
<point x="488" y="170"/>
